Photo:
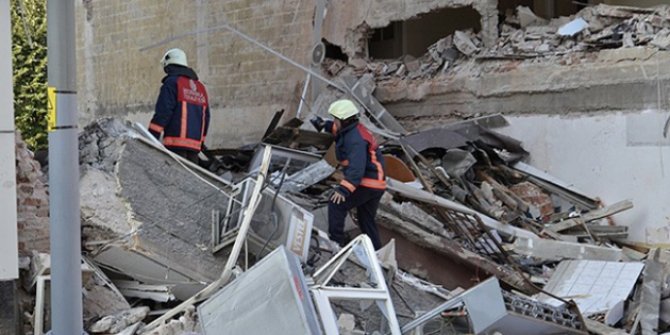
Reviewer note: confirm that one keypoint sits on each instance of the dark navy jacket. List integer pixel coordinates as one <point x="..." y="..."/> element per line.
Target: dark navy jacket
<point x="359" y="154"/>
<point x="182" y="110"/>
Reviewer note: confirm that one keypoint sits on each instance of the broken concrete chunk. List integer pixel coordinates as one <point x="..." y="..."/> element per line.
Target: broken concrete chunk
<point x="346" y="323"/>
<point x="662" y="39"/>
<point x="527" y="17"/>
<point x="412" y="65"/>
<point x="157" y="213"/>
<point x="535" y="196"/>
<point x="185" y="325"/>
<point x="336" y="67"/>
<point x="118" y="322"/>
<point x="358" y="63"/>
<point x="464" y="43"/>
<point x="131" y="330"/>
<point x="457" y="162"/>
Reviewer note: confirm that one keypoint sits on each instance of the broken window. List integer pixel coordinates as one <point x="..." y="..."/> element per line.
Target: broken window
<point x="334" y="51"/>
<point x="414" y="36"/>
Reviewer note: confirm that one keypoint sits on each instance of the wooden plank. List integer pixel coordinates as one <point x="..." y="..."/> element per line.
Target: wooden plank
<point x="559" y="237"/>
<point x="558" y="250"/>
<point x="633" y="255"/>
<point x="600" y="328"/>
<point x="499" y="191"/>
<point x="429" y="198"/>
<point x="448" y="247"/>
<point x="591" y="216"/>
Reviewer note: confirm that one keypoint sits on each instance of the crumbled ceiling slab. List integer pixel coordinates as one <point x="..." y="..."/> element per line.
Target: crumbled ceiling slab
<point x="144" y="214"/>
<point x="345" y="14"/>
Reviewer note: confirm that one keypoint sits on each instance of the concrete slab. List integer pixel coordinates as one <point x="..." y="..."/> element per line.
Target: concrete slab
<point x="145" y="214"/>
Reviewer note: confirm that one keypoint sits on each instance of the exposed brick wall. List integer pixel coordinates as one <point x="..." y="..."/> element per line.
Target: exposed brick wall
<point x="32" y="201"/>
<point x="246" y="84"/>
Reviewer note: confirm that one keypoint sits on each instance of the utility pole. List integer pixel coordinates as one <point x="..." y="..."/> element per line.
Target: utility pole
<point x="66" y="288"/>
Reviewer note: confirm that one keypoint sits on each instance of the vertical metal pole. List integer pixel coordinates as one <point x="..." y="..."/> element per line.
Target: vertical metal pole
<point x="66" y="288"/>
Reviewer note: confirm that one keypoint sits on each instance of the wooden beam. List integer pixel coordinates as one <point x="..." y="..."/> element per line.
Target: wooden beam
<point x="448" y="247"/>
<point x="600" y="328"/>
<point x="591" y="216"/>
<point x="558" y="250"/>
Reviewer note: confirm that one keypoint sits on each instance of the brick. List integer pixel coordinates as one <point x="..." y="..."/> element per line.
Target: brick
<point x="32" y="203"/>
<point x="122" y="76"/>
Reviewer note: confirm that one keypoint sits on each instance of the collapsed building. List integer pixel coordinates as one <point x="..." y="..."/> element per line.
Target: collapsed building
<point x="479" y="213"/>
<point x="463" y="205"/>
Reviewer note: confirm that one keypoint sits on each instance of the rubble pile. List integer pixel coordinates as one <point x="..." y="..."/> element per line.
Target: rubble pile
<point x="524" y="35"/>
<point x="460" y="193"/>
<point x="478" y="241"/>
<point x="594" y="28"/>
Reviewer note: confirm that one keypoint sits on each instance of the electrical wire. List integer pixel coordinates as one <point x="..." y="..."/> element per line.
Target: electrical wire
<point x="273" y="212"/>
<point x="373" y="127"/>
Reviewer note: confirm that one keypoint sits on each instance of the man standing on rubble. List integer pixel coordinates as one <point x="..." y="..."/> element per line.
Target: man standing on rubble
<point x="364" y="182"/>
<point x="182" y="109"/>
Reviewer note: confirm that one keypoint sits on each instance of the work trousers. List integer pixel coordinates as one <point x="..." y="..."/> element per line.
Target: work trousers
<point x="188" y="154"/>
<point x="366" y="201"/>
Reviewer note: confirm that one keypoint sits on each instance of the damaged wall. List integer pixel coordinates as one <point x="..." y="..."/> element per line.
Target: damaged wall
<point x="32" y="198"/>
<point x="611" y="80"/>
<point x="617" y="156"/>
<point x="246" y="85"/>
<point x="345" y="21"/>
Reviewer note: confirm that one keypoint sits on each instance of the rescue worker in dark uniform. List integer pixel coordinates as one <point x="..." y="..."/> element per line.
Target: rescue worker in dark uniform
<point x="182" y="109"/>
<point x="363" y="166"/>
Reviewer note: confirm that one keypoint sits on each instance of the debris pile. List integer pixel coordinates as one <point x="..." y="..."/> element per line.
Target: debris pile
<point x="484" y="241"/>
<point x="459" y="193"/>
<point x="524" y="35"/>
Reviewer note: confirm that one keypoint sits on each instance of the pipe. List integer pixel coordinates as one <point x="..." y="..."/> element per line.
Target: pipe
<point x="65" y="239"/>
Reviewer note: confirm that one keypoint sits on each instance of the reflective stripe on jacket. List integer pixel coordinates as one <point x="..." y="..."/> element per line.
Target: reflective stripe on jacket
<point x="359" y="154"/>
<point x="182" y="112"/>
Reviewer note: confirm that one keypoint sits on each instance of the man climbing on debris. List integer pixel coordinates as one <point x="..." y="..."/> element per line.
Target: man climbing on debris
<point x="364" y="182"/>
<point x="182" y="109"/>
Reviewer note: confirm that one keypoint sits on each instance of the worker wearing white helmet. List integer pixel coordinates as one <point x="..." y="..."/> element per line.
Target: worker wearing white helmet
<point x="182" y="109"/>
<point x="363" y="166"/>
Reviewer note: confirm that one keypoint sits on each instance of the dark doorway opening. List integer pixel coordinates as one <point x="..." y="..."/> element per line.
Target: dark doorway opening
<point x="414" y="36"/>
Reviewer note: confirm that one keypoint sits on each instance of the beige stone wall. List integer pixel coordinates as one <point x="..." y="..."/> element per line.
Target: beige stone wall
<point x="246" y="84"/>
<point x="32" y="202"/>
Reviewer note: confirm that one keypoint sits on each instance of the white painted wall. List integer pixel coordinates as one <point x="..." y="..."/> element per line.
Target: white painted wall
<point x="9" y="267"/>
<point x="613" y="156"/>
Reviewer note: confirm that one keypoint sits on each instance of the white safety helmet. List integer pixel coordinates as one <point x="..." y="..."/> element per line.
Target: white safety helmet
<point x="343" y="109"/>
<point x="174" y="56"/>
